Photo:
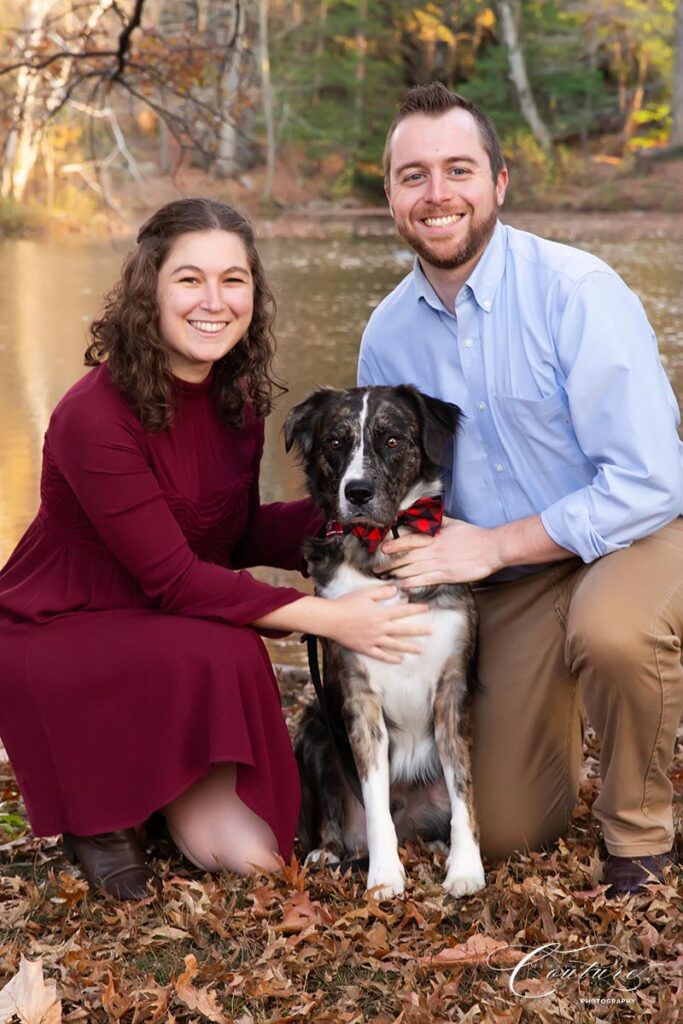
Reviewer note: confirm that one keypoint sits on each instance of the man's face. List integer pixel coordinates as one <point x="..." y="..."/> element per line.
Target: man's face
<point x="441" y="193"/>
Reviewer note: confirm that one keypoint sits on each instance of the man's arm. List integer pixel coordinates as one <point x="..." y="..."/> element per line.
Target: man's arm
<point x="463" y="553"/>
<point x="625" y="418"/>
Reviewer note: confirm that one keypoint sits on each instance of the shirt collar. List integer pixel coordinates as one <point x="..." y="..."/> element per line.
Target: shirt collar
<point x="483" y="281"/>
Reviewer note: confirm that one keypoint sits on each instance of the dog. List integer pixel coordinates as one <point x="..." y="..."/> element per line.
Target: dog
<point x="369" y="455"/>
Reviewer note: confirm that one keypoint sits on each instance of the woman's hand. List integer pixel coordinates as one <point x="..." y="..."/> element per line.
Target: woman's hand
<point x="370" y="621"/>
<point x="364" y="622"/>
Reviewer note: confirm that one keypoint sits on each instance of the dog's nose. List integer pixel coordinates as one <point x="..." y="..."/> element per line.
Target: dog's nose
<point x="359" y="491"/>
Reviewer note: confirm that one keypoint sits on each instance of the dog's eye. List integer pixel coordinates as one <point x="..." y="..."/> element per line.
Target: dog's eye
<point x="335" y="444"/>
<point x="393" y="442"/>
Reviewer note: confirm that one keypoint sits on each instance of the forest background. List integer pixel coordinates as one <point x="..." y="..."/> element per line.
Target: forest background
<point x="113" y="106"/>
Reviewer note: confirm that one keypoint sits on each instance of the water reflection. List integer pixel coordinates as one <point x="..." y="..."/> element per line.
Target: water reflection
<point x="325" y="292"/>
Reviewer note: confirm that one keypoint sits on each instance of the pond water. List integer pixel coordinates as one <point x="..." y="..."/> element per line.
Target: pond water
<point x="325" y="289"/>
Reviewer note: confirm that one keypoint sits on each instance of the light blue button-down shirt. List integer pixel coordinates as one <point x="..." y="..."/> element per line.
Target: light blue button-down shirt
<point x="568" y="411"/>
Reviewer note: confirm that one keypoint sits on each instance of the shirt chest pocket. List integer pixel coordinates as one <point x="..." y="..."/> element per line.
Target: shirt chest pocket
<point x="540" y="430"/>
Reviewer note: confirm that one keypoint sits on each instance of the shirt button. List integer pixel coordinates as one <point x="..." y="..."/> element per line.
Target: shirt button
<point x="499" y="467"/>
<point x="486" y="304"/>
<point x="482" y="407"/>
<point x="468" y="343"/>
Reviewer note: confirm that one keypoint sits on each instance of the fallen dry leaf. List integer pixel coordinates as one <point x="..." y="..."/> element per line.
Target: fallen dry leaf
<point x="511" y="1016"/>
<point x="376" y="939"/>
<point x="346" y="959"/>
<point x="477" y="950"/>
<point x="115" y="1003"/>
<point x="29" y="998"/>
<point x="299" y="913"/>
<point x="199" y="999"/>
<point x="167" y="932"/>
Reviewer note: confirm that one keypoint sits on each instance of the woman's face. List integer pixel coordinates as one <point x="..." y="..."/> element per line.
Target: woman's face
<point x="205" y="294"/>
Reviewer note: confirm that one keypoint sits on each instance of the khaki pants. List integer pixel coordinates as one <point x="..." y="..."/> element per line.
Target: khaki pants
<point x="605" y="637"/>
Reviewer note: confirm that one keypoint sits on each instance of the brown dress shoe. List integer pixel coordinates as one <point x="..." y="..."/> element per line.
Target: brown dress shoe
<point x="112" y="862"/>
<point x="628" y="874"/>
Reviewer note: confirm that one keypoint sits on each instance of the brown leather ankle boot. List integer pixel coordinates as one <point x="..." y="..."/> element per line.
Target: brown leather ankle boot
<point x="112" y="862"/>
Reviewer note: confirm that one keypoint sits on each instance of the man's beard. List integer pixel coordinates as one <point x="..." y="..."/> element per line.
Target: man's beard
<point x="472" y="245"/>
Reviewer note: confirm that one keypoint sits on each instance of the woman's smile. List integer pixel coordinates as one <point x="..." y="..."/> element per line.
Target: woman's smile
<point x="208" y="326"/>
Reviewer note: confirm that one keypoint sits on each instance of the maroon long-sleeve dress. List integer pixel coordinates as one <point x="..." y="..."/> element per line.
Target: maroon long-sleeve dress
<point x="127" y="665"/>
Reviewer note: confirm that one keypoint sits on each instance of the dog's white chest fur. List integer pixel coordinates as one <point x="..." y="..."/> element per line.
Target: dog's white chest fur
<point x="407" y="690"/>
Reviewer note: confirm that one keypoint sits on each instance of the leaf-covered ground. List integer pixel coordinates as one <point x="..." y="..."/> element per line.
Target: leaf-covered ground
<point x="309" y="946"/>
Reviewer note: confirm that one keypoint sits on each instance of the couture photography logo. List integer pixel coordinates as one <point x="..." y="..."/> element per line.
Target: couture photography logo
<point x="600" y="972"/>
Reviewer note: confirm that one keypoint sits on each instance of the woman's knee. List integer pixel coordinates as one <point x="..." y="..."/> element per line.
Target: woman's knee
<point x="214" y="850"/>
<point x="215" y="830"/>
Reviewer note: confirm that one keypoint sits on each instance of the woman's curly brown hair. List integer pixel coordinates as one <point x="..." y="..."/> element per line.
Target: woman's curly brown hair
<point x="128" y="338"/>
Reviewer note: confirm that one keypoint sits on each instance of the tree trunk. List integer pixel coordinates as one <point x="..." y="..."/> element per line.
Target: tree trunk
<point x="267" y="98"/>
<point x="637" y="98"/>
<point x="319" y="51"/>
<point x="23" y="139"/>
<point x="588" y="101"/>
<point x="361" y="65"/>
<point x="24" y="136"/>
<point x="508" y="11"/>
<point x="227" y="163"/>
<point x="676" y="137"/>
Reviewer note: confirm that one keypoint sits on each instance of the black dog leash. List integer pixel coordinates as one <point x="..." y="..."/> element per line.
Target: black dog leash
<point x="335" y="726"/>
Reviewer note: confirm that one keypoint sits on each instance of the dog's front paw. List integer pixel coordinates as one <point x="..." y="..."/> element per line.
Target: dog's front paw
<point x="386" y="879"/>
<point x="465" y="874"/>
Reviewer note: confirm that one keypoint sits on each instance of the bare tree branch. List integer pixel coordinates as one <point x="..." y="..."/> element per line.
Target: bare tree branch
<point x="181" y="77"/>
<point x="125" y="38"/>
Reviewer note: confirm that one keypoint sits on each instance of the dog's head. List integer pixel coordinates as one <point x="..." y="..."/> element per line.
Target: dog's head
<point x="366" y="450"/>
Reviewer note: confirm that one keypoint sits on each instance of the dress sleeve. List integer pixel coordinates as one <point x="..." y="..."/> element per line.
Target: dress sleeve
<point x="275" y="532"/>
<point x="100" y="451"/>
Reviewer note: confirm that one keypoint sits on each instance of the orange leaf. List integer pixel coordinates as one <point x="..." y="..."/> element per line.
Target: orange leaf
<point x="376" y="938"/>
<point x="300" y="913"/>
<point x="114" y="1003"/>
<point x="200" y="999"/>
<point x="476" y="950"/>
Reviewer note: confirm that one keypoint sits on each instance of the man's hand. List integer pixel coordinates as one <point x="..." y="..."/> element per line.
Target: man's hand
<point x="460" y="553"/>
<point x="463" y="553"/>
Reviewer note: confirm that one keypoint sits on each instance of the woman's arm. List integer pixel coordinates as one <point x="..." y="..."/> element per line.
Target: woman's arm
<point x="275" y="532"/>
<point x="99" y="449"/>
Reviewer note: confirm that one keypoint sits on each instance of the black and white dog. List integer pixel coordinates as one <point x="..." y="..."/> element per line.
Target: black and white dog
<point x="371" y="457"/>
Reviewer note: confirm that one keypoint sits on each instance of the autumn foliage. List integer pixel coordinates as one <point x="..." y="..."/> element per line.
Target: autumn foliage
<point x="309" y="946"/>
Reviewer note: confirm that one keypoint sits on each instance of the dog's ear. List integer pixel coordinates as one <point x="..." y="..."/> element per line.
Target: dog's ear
<point x="299" y="428"/>
<point x="438" y="420"/>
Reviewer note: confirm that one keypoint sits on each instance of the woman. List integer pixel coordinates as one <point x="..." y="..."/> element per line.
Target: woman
<point x="133" y="675"/>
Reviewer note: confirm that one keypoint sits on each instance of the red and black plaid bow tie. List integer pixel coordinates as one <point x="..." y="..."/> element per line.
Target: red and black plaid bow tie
<point x="424" y="516"/>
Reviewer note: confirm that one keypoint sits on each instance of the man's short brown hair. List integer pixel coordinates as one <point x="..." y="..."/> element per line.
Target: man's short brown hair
<point x="433" y="100"/>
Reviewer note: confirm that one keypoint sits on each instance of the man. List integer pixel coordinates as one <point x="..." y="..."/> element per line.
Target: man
<point x="565" y="494"/>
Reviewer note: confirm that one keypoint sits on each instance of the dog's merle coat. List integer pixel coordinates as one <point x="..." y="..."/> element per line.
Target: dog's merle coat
<point x="367" y="453"/>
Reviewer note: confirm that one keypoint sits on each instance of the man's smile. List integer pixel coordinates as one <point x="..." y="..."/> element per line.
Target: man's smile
<point x="442" y="221"/>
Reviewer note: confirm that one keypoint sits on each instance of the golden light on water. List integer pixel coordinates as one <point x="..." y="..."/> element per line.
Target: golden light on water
<point x="325" y="292"/>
